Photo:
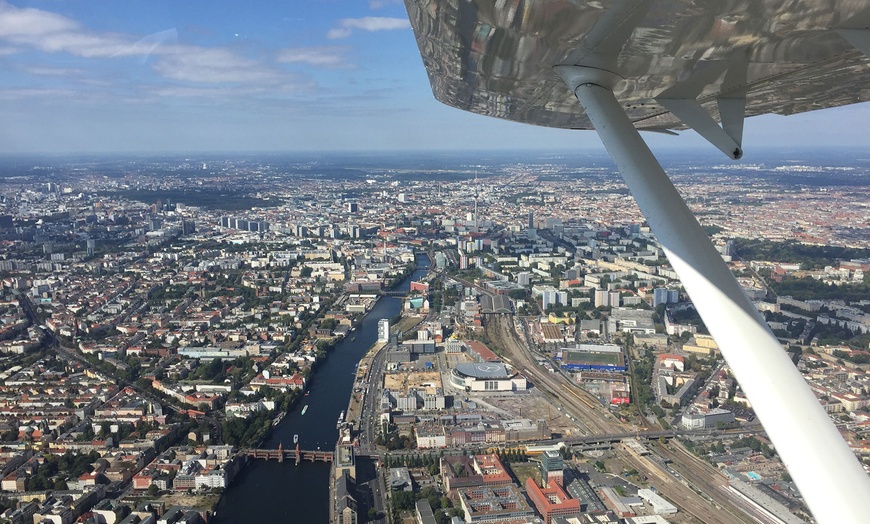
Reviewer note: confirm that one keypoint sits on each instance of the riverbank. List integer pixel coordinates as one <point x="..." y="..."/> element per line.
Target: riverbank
<point x="269" y="491"/>
<point x="356" y="401"/>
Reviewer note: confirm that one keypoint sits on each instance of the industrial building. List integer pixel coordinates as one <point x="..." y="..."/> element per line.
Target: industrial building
<point x="706" y="420"/>
<point x="660" y="505"/>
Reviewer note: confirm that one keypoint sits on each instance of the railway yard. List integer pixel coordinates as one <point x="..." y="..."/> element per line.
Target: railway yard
<point x="695" y="486"/>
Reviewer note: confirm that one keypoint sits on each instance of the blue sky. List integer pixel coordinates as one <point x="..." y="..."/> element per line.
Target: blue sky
<point x="298" y="75"/>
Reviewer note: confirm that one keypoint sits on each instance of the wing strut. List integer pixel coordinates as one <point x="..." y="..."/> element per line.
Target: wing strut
<point x="826" y="471"/>
<point x="682" y="101"/>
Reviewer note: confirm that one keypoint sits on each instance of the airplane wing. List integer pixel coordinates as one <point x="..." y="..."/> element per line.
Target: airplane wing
<point x="619" y="66"/>
<point x="496" y="57"/>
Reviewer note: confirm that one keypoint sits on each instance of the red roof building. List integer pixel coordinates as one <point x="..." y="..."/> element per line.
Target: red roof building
<point x="552" y="502"/>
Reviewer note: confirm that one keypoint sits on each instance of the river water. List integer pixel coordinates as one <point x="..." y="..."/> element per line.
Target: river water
<point x="268" y="491"/>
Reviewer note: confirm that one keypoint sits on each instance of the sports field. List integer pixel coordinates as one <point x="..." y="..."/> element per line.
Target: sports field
<point x="592" y="358"/>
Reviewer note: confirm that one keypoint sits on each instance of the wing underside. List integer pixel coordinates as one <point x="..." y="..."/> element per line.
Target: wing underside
<point x="496" y="57"/>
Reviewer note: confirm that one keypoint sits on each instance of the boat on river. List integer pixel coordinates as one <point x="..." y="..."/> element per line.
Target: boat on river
<point x="304" y="409"/>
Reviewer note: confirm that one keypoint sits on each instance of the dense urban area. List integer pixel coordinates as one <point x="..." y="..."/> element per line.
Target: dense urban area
<point x="159" y="318"/>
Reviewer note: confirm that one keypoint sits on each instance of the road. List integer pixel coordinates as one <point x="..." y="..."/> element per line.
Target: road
<point x="369" y="422"/>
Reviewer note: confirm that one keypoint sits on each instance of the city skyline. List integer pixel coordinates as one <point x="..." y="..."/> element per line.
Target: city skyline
<point x="313" y="76"/>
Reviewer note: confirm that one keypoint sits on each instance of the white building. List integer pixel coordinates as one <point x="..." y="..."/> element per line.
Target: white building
<point x="216" y="478"/>
<point x="488" y="376"/>
<point x="431" y="436"/>
<point x="660" y="505"/>
<point x="383" y="330"/>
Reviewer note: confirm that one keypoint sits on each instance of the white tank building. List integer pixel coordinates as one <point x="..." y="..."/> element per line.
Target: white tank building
<point x="488" y="376"/>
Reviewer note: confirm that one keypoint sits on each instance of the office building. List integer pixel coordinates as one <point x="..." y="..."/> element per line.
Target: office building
<point x="552" y="467"/>
<point x="552" y="501"/>
<point x="383" y="330"/>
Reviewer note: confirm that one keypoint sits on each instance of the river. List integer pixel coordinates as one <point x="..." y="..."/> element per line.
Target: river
<point x="268" y="491"/>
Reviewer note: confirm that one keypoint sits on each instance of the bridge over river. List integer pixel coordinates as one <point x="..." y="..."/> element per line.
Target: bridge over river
<point x="297" y="455"/>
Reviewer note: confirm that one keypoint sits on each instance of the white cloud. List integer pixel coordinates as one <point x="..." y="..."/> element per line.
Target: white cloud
<point x="331" y="57"/>
<point x="338" y="33"/>
<point x="53" y="71"/>
<point x="369" y="23"/>
<point x="53" y="33"/>
<point x="234" y="92"/>
<point x="380" y="4"/>
<point x="203" y="65"/>
<point x="50" y="94"/>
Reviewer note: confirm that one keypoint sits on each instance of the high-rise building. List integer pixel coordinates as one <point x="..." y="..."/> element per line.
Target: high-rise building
<point x="552" y="465"/>
<point x="383" y="330"/>
<point x="188" y="227"/>
<point x="91" y="245"/>
<point x="602" y="298"/>
<point x="549" y="297"/>
<point x="244" y="225"/>
<point x="613" y="299"/>
<point x="352" y="207"/>
<point x="665" y="296"/>
<point x="440" y="260"/>
<point x="660" y="296"/>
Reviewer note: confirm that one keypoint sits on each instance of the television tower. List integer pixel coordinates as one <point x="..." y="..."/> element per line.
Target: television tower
<point x="476" y="195"/>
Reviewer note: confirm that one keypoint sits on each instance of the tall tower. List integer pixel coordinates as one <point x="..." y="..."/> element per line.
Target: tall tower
<point x="552" y="465"/>
<point x="476" y="196"/>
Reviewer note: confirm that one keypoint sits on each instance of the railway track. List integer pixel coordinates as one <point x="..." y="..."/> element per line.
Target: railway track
<point x="583" y="407"/>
